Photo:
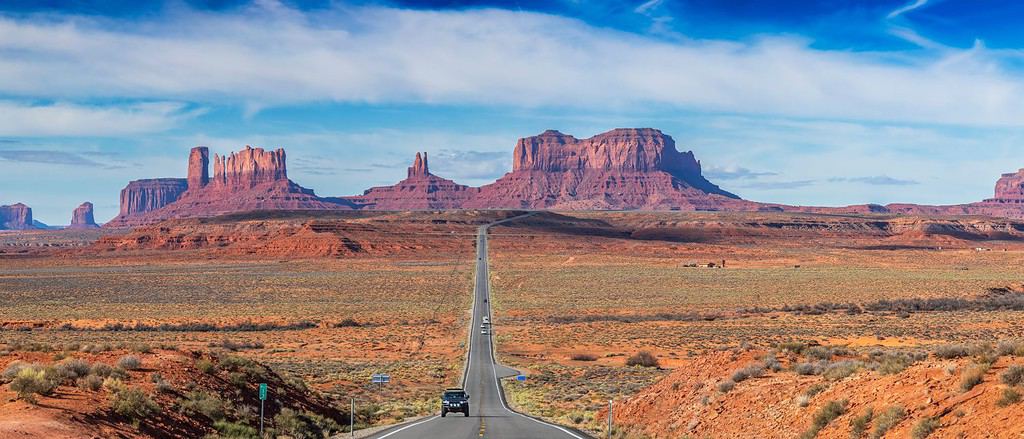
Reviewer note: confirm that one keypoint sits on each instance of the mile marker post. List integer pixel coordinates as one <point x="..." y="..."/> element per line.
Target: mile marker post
<point x="352" y="418"/>
<point x="263" y="397"/>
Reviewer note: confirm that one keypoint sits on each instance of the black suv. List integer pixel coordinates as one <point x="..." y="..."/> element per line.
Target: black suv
<point x="455" y="400"/>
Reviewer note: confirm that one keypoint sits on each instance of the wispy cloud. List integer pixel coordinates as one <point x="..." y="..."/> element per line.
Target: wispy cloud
<point x="906" y="8"/>
<point x="65" y="119"/>
<point x="734" y="173"/>
<point x="487" y="57"/>
<point x="876" y="180"/>
<point x="54" y="158"/>
<point x="470" y="164"/>
<point x="779" y="185"/>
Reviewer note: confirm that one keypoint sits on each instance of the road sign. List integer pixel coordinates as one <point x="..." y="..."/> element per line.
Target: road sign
<point x="263" y="397"/>
<point x="381" y="378"/>
<point x="520" y="377"/>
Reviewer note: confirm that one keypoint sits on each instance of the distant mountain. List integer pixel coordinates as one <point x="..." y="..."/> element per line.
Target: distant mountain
<point x="622" y="169"/>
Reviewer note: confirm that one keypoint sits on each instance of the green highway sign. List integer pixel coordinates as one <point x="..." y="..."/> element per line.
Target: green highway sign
<point x="263" y="391"/>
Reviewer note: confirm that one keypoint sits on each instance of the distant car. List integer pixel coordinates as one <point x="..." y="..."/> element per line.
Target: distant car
<point x="483" y="331"/>
<point x="487" y="320"/>
<point x="454" y="400"/>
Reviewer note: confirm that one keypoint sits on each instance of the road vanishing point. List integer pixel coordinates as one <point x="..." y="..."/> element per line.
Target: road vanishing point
<point x="490" y="415"/>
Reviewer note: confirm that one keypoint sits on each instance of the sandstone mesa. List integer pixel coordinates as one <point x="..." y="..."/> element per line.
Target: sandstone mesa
<point x="622" y="169"/>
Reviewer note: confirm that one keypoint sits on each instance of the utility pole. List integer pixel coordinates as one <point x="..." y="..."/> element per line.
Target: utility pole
<point x="609" y="419"/>
<point x="352" y="419"/>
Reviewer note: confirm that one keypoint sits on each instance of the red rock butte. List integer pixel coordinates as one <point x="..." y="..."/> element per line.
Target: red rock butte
<point x="15" y="217"/>
<point x="250" y="179"/>
<point x="619" y="169"/>
<point x="626" y="168"/>
<point x="420" y="190"/>
<point x="82" y="217"/>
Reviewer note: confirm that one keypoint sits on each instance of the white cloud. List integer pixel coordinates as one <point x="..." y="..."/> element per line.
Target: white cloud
<point x="906" y="8"/>
<point x="63" y="119"/>
<point x="268" y="54"/>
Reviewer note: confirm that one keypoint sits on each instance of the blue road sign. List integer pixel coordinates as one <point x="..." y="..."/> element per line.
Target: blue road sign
<point x="380" y="378"/>
<point x="520" y="377"/>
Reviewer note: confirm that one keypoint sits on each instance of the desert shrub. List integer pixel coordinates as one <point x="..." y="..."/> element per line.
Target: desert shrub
<point x="889" y="418"/>
<point x="893" y="364"/>
<point x="792" y="346"/>
<point x="73" y="368"/>
<point x="819" y="353"/>
<point x="304" y="425"/>
<point x="90" y="383"/>
<point x="202" y="403"/>
<point x="803" y="400"/>
<point x="951" y="351"/>
<point x="860" y="424"/>
<point x="815" y="389"/>
<point x="133" y="404"/>
<point x="142" y="348"/>
<point x="1010" y="347"/>
<point x="752" y="371"/>
<point x="12" y="370"/>
<point x="348" y="323"/>
<point x="826" y="414"/>
<point x="162" y="386"/>
<point x="840" y="370"/>
<point x="129" y="362"/>
<point x="235" y="346"/>
<point x="232" y="430"/>
<point x="809" y="368"/>
<point x="984" y="354"/>
<point x="1014" y="375"/>
<point x="726" y="386"/>
<point x="924" y="428"/>
<point x="771" y="363"/>
<point x="642" y="358"/>
<point x="114" y="385"/>
<point x="206" y="366"/>
<point x="297" y="383"/>
<point x="101" y="369"/>
<point x="34" y="380"/>
<point x="1009" y="397"/>
<point x="238" y="379"/>
<point x="583" y="357"/>
<point x="972" y="376"/>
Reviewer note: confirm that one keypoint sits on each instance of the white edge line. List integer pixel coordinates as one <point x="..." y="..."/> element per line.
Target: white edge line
<point x="494" y="370"/>
<point x="409" y="426"/>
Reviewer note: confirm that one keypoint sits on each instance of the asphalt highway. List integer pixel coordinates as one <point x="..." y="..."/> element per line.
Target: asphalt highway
<point x="490" y="415"/>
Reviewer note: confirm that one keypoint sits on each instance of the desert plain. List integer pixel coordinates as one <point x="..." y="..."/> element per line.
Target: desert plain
<point x="692" y="324"/>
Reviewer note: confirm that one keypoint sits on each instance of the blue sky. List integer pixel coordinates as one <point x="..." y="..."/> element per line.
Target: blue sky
<point x="825" y="103"/>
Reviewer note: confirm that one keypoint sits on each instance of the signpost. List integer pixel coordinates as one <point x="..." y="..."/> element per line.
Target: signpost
<point x="263" y="397"/>
<point x="521" y="378"/>
<point x="380" y="379"/>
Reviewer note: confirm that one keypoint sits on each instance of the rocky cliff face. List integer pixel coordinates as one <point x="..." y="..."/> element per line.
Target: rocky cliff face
<point x="198" y="167"/>
<point x="142" y="196"/>
<point x="248" y="168"/>
<point x="619" y="169"/>
<point x="82" y="217"/>
<point x="250" y="179"/>
<point x="1009" y="188"/>
<point x="420" y="190"/>
<point x="15" y="217"/>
